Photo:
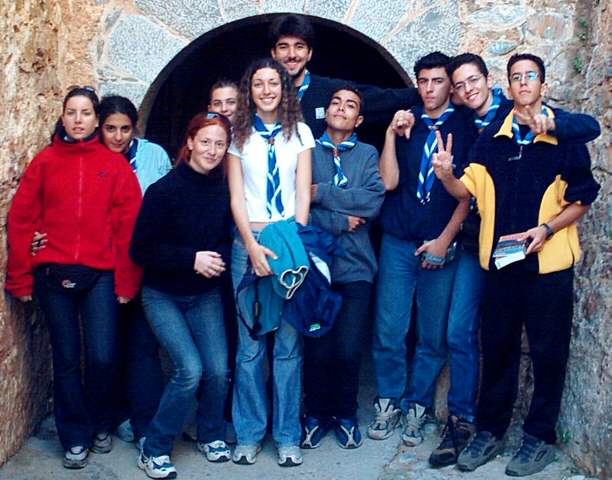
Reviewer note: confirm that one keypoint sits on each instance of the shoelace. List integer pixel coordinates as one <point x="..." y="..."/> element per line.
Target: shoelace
<point x="162" y="461"/>
<point x="382" y="416"/>
<point x="414" y="422"/>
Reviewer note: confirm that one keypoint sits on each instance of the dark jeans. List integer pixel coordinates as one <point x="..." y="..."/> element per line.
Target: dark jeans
<point x="81" y="411"/>
<point x="332" y="362"/>
<point x="141" y="380"/>
<point x="191" y="330"/>
<point x="543" y="303"/>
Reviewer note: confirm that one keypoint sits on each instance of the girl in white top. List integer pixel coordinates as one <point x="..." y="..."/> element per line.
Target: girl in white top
<point x="269" y="174"/>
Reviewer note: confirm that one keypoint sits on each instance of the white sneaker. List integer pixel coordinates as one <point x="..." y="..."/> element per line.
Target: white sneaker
<point x="413" y="421"/>
<point x="216" y="451"/>
<point x="75" y="457"/>
<point x="157" y="467"/>
<point x="290" y="456"/>
<point x="386" y="419"/>
<point x="245" y="454"/>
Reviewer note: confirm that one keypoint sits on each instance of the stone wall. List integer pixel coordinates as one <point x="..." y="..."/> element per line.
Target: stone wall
<point x="125" y="46"/>
<point x="44" y="47"/>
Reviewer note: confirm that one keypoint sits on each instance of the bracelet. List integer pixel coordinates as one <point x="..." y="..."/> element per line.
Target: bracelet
<point x="549" y="231"/>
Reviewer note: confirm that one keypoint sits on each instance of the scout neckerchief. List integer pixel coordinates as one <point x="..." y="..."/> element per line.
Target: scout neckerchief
<point x="273" y="189"/>
<point x="304" y="86"/>
<point x="130" y="154"/>
<point x="340" y="179"/>
<point x="426" y="172"/>
<point x="487" y="118"/>
<point x="516" y="130"/>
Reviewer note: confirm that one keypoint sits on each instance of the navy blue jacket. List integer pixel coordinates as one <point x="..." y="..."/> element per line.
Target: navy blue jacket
<point x="403" y="216"/>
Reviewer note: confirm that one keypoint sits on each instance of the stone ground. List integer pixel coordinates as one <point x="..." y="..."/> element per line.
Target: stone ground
<point x="40" y="459"/>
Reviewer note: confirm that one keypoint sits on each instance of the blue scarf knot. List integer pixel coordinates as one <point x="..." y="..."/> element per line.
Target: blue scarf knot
<point x="340" y="179"/>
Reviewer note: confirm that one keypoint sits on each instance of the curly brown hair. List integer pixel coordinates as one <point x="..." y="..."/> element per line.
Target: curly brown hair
<point x="289" y="111"/>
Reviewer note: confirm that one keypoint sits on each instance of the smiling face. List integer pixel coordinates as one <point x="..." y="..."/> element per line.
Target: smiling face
<point x="526" y="87"/>
<point x="472" y="87"/>
<point x="434" y="88"/>
<point x="117" y="132"/>
<point x="343" y="111"/>
<point x="224" y="100"/>
<point x="293" y="53"/>
<point x="266" y="91"/>
<point x="79" y="117"/>
<point x="207" y="147"/>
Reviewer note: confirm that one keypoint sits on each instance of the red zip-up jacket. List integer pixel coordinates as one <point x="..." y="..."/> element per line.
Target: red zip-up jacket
<point x="86" y="199"/>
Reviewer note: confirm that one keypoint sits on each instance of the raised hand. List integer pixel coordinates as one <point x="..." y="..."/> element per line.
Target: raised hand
<point x="402" y="123"/>
<point x="538" y="123"/>
<point x="442" y="160"/>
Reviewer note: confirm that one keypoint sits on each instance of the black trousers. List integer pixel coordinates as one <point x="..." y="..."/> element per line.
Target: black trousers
<point x="332" y="362"/>
<point x="544" y="304"/>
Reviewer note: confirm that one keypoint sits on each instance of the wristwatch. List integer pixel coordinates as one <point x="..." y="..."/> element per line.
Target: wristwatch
<point x="549" y="231"/>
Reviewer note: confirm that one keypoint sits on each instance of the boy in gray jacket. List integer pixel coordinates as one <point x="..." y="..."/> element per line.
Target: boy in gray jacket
<point x="347" y="193"/>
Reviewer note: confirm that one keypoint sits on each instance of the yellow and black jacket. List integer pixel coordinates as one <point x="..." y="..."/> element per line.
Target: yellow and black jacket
<point x="519" y="187"/>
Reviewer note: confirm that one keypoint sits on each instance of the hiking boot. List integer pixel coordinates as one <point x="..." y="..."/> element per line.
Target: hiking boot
<point x="102" y="443"/>
<point x="290" y="456"/>
<point x="533" y="455"/>
<point x="75" y="457"/>
<point x="455" y="436"/>
<point x="157" y="467"/>
<point x="313" y="431"/>
<point x="216" y="451"/>
<point x="347" y="433"/>
<point x="386" y="419"/>
<point x="483" y="446"/>
<point x="245" y="454"/>
<point x="412" y="422"/>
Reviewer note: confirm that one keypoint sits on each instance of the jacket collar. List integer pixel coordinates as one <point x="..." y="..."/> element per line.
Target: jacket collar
<point x="506" y="129"/>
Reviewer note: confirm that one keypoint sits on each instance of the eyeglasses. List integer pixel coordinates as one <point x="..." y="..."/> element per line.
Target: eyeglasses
<point x="471" y="81"/>
<point x="529" y="76"/>
<point x="89" y="88"/>
<point x="211" y="115"/>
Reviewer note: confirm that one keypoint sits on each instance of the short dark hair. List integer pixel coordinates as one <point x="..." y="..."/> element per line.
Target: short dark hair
<point x="351" y="88"/>
<point x="291" y="26"/>
<point x="116" y="104"/>
<point x="464" y="59"/>
<point x="431" y="60"/>
<point x="221" y="83"/>
<point x="517" y="57"/>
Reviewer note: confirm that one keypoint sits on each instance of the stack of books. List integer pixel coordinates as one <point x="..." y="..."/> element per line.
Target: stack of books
<point x="510" y="249"/>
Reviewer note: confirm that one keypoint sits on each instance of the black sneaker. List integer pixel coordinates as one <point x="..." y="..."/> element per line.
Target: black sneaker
<point x="455" y="436"/>
<point x="75" y="457"/>
<point x="102" y="443"/>
<point x="533" y="455"/>
<point x="483" y="447"/>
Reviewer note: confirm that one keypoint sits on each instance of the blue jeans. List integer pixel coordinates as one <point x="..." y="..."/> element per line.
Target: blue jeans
<point x="250" y="408"/>
<point x="141" y="378"/>
<point x="402" y="281"/>
<point x="191" y="329"/>
<point x="461" y="337"/>
<point x="81" y="411"/>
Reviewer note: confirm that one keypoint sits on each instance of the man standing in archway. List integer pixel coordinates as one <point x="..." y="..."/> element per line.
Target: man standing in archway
<point x="291" y="44"/>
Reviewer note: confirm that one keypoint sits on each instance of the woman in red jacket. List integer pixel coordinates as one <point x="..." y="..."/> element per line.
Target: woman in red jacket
<point x="86" y="199"/>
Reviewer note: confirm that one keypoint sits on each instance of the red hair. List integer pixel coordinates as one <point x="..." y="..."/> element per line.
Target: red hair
<point x="198" y="122"/>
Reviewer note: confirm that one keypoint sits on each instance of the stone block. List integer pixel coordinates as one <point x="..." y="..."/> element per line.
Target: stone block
<point x="140" y="47"/>
<point x="279" y="6"/>
<point x="237" y="9"/>
<point x="191" y="18"/>
<point x="376" y="19"/>
<point x="331" y="9"/>
<point x="551" y="27"/>
<point x="135" y="91"/>
<point x="498" y="18"/>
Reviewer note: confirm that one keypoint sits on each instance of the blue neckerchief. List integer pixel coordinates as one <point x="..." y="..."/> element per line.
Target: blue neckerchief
<point x="273" y="189"/>
<point x="517" y="131"/>
<point x="426" y="172"/>
<point x="304" y="86"/>
<point x="130" y="153"/>
<point x="487" y="118"/>
<point x="340" y="179"/>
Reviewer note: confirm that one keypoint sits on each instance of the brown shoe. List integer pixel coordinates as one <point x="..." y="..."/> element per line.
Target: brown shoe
<point x="455" y="437"/>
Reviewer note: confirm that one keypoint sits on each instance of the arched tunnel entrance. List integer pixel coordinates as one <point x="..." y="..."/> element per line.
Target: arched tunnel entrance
<point x="182" y="88"/>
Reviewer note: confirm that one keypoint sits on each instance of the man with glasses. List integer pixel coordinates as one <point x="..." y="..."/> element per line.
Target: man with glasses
<point x="534" y="187"/>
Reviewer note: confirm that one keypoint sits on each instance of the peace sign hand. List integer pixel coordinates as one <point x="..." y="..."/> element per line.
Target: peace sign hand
<point x="442" y="160"/>
<point x="538" y="123"/>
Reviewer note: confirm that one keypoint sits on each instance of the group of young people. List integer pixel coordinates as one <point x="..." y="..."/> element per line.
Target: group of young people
<point x="263" y="180"/>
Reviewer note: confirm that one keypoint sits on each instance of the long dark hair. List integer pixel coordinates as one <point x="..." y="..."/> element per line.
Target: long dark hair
<point x="289" y="112"/>
<point x="76" y="91"/>
<point x="199" y="121"/>
<point x="111" y="104"/>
